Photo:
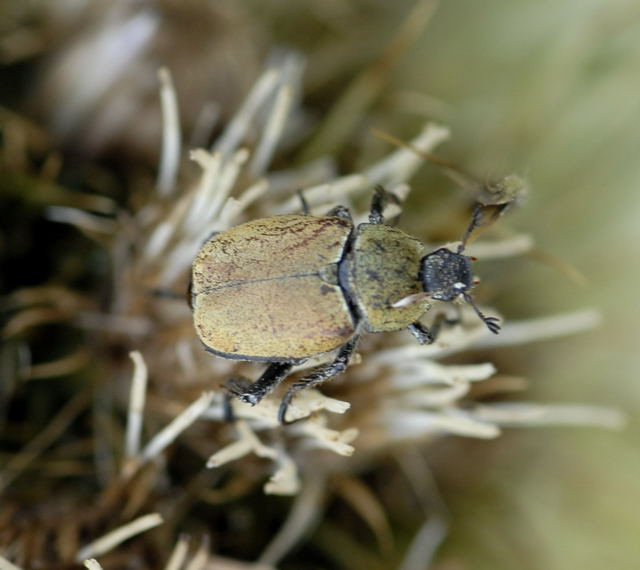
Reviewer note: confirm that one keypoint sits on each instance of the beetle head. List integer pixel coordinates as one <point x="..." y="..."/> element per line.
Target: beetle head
<point x="447" y="274"/>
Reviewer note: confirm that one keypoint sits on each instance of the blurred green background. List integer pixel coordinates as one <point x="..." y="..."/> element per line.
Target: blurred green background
<point x="549" y="89"/>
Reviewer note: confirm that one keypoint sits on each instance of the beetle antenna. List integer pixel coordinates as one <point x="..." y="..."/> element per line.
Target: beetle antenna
<point x="491" y="322"/>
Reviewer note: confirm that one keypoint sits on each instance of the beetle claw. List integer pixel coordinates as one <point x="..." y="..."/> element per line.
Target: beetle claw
<point x="249" y="399"/>
<point x="493" y="324"/>
<point x="240" y="388"/>
<point x="253" y="392"/>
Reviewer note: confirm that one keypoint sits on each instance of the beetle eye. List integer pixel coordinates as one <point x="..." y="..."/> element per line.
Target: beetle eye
<point x="445" y="274"/>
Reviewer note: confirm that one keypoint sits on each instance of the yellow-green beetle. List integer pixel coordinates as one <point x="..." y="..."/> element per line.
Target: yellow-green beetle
<point x="287" y="288"/>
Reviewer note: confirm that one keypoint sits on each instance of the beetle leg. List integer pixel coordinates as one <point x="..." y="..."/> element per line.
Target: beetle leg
<point x="303" y="201"/>
<point x="340" y="212"/>
<point x="378" y="202"/>
<point x="423" y="334"/>
<point x="429" y="335"/>
<point x="318" y="376"/>
<point x="335" y="212"/>
<point x="227" y="409"/>
<point x="253" y="393"/>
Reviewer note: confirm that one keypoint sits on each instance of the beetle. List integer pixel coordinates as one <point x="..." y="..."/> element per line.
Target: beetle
<point x="287" y="288"/>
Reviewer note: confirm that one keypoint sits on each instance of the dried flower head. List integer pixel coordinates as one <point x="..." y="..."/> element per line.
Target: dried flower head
<point x="395" y="391"/>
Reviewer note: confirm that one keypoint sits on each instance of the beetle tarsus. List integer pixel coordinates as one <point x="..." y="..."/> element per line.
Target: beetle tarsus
<point x="238" y="386"/>
<point x="249" y="393"/>
<point x="493" y="324"/>
<point x="318" y="376"/>
<point x="423" y="334"/>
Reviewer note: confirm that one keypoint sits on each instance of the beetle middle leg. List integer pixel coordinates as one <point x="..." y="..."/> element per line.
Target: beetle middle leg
<point x="249" y="393"/>
<point x="335" y="212"/>
<point x="318" y="376"/>
<point x="378" y="202"/>
<point x="340" y="212"/>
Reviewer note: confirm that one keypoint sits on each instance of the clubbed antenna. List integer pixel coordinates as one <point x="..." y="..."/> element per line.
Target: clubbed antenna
<point x="476" y="221"/>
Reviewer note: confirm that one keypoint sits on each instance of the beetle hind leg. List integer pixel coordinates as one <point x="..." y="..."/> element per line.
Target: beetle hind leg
<point x="227" y="408"/>
<point x="318" y="376"/>
<point x="252" y="393"/>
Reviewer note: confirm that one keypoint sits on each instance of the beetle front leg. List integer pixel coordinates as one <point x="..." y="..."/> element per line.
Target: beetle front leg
<point x="318" y="376"/>
<point x="423" y="334"/>
<point x="429" y="335"/>
<point x="253" y="393"/>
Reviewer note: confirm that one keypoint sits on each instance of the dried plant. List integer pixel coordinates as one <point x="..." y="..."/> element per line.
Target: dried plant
<point x="162" y="449"/>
